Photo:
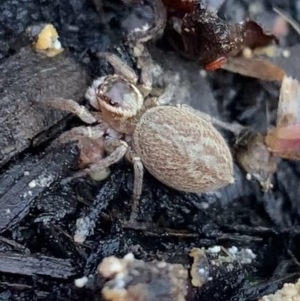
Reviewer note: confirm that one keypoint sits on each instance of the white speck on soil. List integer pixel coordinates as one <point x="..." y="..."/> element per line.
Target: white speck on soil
<point x="81" y="282"/>
<point x="41" y="181"/>
<point x="215" y="249"/>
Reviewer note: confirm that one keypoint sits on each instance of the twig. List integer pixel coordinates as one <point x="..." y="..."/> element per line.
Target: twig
<point x="161" y="232"/>
<point x="14" y="244"/>
<point x="290" y="20"/>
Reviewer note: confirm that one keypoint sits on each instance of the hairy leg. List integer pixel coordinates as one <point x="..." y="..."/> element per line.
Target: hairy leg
<point x="160" y="20"/>
<point x="151" y="102"/>
<point x="90" y="141"/>
<point x="137" y="187"/>
<point x="119" y="66"/>
<point x="234" y="128"/>
<point x="137" y="39"/>
<point x="167" y="95"/>
<point x="71" y="106"/>
<point x="98" y="167"/>
<point x="92" y="132"/>
<point x="146" y="65"/>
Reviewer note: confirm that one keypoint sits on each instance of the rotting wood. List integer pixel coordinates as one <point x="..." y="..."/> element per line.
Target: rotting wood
<point x="36" y="265"/>
<point x="23" y="182"/>
<point x="28" y="77"/>
<point x="86" y="224"/>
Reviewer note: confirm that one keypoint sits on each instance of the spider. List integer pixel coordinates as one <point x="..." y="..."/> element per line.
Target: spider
<point x="178" y="145"/>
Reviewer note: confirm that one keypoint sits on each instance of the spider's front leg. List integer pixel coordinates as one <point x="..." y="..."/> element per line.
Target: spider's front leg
<point x="159" y="23"/>
<point x="137" y="39"/>
<point x="71" y="106"/>
<point x="119" y="66"/>
<point x="144" y="63"/>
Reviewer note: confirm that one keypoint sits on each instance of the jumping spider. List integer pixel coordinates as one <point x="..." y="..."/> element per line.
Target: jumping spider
<point x="177" y="145"/>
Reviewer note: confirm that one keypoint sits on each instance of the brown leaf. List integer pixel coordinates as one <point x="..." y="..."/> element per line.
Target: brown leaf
<point x="211" y="40"/>
<point x="254" y="157"/>
<point x="284" y="139"/>
<point x="257" y="68"/>
<point x="255" y="36"/>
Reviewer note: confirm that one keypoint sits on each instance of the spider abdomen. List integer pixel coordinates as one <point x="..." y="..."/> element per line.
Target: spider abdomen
<point x="182" y="150"/>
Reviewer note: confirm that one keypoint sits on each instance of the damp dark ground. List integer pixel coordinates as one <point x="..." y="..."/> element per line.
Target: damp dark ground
<point x="39" y="259"/>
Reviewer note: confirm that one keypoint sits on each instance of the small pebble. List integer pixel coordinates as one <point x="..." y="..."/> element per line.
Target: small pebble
<point x="215" y="249"/>
<point x="32" y="184"/>
<point x="286" y="53"/>
<point x="81" y="282"/>
<point x="233" y="250"/>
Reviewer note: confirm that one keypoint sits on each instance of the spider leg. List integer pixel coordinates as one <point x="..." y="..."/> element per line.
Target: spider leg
<point x="90" y="141"/>
<point x="69" y="105"/>
<point x="92" y="132"/>
<point x="234" y="128"/>
<point x="137" y="39"/>
<point x="137" y="187"/>
<point x="101" y="165"/>
<point x="146" y="65"/>
<point x="111" y="159"/>
<point x="167" y="95"/>
<point x="151" y="102"/>
<point x="160" y="21"/>
<point x="119" y="66"/>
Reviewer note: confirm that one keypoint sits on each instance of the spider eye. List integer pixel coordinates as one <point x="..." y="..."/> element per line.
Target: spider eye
<point x="109" y="101"/>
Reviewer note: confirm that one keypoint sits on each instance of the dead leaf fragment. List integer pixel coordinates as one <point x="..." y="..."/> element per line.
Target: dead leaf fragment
<point x="207" y="38"/>
<point x="284" y="139"/>
<point x="255" y="36"/>
<point x="253" y="155"/>
<point x="253" y="67"/>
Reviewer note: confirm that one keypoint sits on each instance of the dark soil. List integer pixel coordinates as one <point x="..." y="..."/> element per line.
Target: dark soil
<point x="39" y="259"/>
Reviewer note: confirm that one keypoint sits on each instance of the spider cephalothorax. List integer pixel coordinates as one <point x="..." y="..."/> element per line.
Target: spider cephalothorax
<point x="118" y="100"/>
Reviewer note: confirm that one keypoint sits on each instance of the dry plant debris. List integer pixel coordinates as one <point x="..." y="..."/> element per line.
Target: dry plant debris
<point x="201" y="35"/>
<point x="284" y="139"/>
<point x="256" y="153"/>
<point x="254" y="157"/>
<point x="255" y="67"/>
<point x="289" y="292"/>
<point x="200" y="267"/>
<point x="130" y="279"/>
<point x="256" y="62"/>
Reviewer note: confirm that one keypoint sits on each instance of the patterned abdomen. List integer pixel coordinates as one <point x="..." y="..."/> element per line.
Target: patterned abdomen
<point x="182" y="150"/>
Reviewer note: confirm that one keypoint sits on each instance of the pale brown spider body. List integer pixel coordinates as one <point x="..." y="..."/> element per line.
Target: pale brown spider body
<point x="177" y="144"/>
<point x="182" y="150"/>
